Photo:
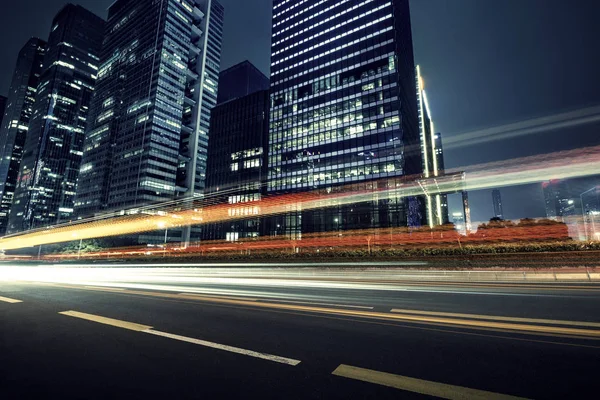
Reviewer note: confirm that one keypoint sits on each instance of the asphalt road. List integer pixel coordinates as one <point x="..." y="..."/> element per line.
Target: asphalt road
<point x="196" y="334"/>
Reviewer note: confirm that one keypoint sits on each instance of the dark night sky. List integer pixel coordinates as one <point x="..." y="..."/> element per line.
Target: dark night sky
<point x="485" y="63"/>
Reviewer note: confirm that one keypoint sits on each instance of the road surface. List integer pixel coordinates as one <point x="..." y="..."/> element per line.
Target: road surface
<point x="193" y="333"/>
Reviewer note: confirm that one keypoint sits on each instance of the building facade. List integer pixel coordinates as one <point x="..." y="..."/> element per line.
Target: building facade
<point x="45" y="190"/>
<point x="497" y="202"/>
<point x="147" y="139"/>
<point x="237" y="152"/>
<point x="14" y="128"/>
<point x="343" y="110"/>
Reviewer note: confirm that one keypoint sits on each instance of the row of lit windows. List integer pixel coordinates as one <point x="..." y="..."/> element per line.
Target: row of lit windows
<point x="244" y="198"/>
<point x="332" y="136"/>
<point x="352" y="159"/>
<point x="304" y="114"/>
<point x="343" y="46"/>
<point x="311" y="16"/>
<point x="314" y="69"/>
<point x="324" y="31"/>
<point x="367" y="171"/>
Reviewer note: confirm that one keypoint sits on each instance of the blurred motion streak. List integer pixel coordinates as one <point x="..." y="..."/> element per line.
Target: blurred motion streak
<point x="559" y="165"/>
<point x="527" y="127"/>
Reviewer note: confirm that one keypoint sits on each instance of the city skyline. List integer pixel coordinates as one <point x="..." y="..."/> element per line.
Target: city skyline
<point x="455" y="84"/>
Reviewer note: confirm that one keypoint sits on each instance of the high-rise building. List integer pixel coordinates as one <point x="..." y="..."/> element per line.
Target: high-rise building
<point x="497" y="202"/>
<point x="147" y="139"/>
<point x="432" y="156"/>
<point x="14" y="128"/>
<point x="45" y="191"/>
<point x="343" y="110"/>
<point x="236" y="156"/>
<point x="240" y="80"/>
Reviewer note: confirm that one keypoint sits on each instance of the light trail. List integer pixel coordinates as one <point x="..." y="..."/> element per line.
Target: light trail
<point x="563" y="120"/>
<point x="560" y="165"/>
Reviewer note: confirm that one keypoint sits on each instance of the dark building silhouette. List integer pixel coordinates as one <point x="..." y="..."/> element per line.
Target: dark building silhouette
<point x="45" y="191"/>
<point x="148" y="135"/>
<point x="3" y="101"/>
<point x="240" y="80"/>
<point x="236" y="155"/>
<point x="497" y="201"/>
<point x="14" y="127"/>
<point x="343" y="110"/>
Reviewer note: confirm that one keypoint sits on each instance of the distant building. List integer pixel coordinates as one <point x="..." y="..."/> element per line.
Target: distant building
<point x="590" y="201"/>
<point x="497" y="202"/>
<point x="559" y="199"/>
<point x="147" y="139"/>
<point x="240" y="80"/>
<point x="237" y="150"/>
<point x="458" y="218"/>
<point x="14" y="128"/>
<point x="45" y="191"/>
<point x="343" y="111"/>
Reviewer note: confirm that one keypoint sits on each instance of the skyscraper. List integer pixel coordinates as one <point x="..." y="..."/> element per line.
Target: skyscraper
<point x="343" y="109"/>
<point x="432" y="156"/>
<point x="13" y="129"/>
<point x="45" y="190"/>
<point x="497" y="201"/>
<point x="147" y="138"/>
<point x="236" y="153"/>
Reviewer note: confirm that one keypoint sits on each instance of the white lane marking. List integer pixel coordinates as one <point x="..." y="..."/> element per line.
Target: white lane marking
<point x="313" y="303"/>
<point x="7" y="300"/>
<point x="264" y="356"/>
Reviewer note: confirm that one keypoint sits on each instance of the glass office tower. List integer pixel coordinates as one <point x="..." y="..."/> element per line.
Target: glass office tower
<point x="432" y="156"/>
<point x="239" y="132"/>
<point x="45" y="191"/>
<point x="343" y="109"/>
<point x="14" y="127"/>
<point x="148" y="135"/>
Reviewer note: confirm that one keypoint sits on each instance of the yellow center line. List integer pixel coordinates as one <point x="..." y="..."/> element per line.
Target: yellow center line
<point x="465" y="323"/>
<point x="420" y="386"/>
<point x="107" y="288"/>
<point x="499" y="318"/>
<point x="107" y="321"/>
<point x="205" y="296"/>
<point x="7" y="300"/>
